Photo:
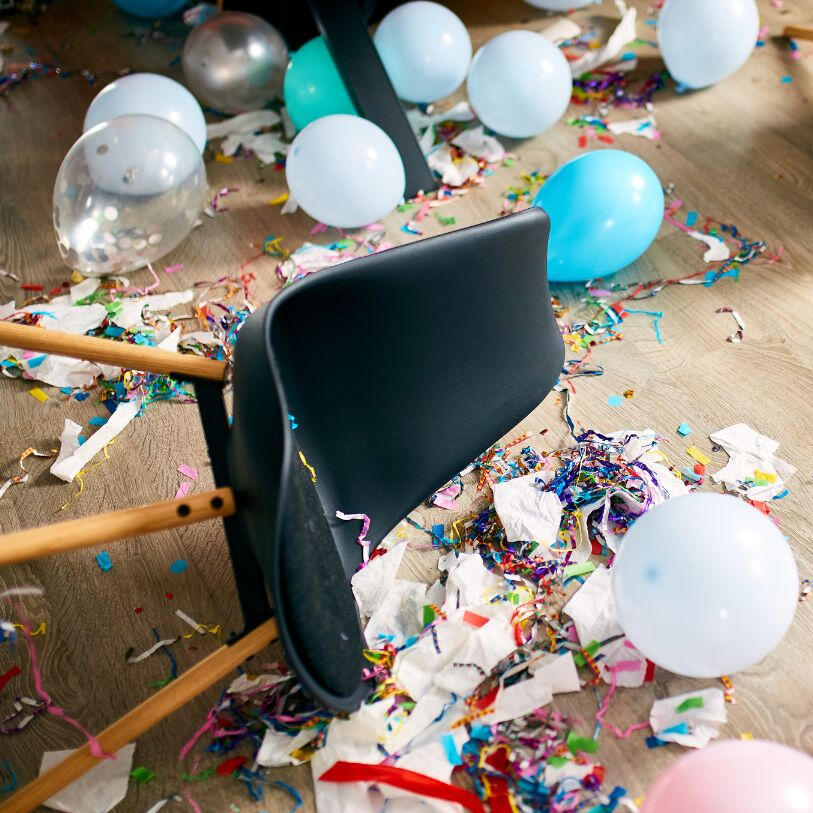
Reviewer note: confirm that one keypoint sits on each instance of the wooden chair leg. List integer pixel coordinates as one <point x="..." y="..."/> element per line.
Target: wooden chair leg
<point x="798" y="32"/>
<point x="142" y="718"/>
<point x="100" y="528"/>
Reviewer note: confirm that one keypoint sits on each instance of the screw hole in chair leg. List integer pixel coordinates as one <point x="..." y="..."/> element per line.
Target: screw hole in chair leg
<point x="184" y="510"/>
<point x="216" y="503"/>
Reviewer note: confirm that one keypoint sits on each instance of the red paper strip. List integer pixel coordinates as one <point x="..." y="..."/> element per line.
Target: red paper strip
<point x="406" y="780"/>
<point x="230" y="765"/>
<point x="7" y="676"/>
<point x="474" y="619"/>
<point x="650" y="672"/>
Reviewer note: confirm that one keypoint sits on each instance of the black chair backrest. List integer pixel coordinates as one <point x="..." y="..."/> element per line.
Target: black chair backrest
<point x="399" y="369"/>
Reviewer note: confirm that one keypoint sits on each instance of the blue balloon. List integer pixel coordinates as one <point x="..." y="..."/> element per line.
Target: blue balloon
<point x="605" y="208"/>
<point x="150" y="9"/>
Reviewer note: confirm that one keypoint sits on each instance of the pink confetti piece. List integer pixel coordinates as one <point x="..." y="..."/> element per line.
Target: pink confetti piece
<point x="319" y="228"/>
<point x="422" y="212"/>
<point x="189" y="471"/>
<point x="183" y="490"/>
<point x="171" y="269"/>
<point x="365" y="526"/>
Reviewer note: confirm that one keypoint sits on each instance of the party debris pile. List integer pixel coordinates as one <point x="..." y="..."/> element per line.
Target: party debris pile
<point x="466" y="670"/>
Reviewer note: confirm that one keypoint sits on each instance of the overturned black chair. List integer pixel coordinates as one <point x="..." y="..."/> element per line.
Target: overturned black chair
<point x="398" y="370"/>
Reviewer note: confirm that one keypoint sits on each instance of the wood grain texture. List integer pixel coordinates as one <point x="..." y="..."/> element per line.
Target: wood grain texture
<point x="740" y="152"/>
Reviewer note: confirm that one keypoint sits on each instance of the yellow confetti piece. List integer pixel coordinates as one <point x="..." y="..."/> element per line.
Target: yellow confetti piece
<point x="40" y="630"/>
<point x="746" y="735"/>
<point x="37" y="393"/>
<point x="224" y="159"/>
<point x="764" y="475"/>
<point x="76" y="277"/>
<point x="278" y="199"/>
<point x="701" y="458"/>
<point x="308" y="466"/>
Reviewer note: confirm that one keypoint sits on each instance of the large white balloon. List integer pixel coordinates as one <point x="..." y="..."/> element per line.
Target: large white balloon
<point x="705" y="585"/>
<point x="703" y="41"/>
<point x="152" y="95"/>
<point x="426" y="50"/>
<point x="561" y="5"/>
<point x="345" y="171"/>
<point x="519" y="84"/>
<point x="128" y="191"/>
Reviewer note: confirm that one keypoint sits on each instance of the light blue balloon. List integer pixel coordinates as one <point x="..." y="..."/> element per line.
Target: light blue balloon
<point x="704" y="41"/>
<point x="150" y="9"/>
<point x="426" y="50"/>
<point x="605" y="208"/>
<point x="519" y="84"/>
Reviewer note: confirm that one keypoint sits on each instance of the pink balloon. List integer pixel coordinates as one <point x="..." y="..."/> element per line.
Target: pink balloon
<point x="735" y="776"/>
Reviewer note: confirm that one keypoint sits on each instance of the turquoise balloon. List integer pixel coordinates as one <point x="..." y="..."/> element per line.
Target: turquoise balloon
<point x="313" y="87"/>
<point x="605" y="208"/>
<point x="151" y="9"/>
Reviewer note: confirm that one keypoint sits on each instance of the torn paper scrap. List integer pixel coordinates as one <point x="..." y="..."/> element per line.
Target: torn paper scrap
<point x="518" y="700"/>
<point x="371" y="583"/>
<point x="453" y="171"/>
<point x="752" y="469"/>
<point x="557" y="672"/>
<point x="84" y="289"/>
<point x="527" y="512"/>
<point x="592" y="608"/>
<point x="646" y="127"/>
<point x="69" y="442"/>
<point x="131" y="310"/>
<point x="398" y="616"/>
<point x="717" y="249"/>
<point x="621" y="659"/>
<point x="99" y="790"/>
<point x="624" y="32"/>
<point x="477" y="143"/>
<point x="243" y="123"/>
<point x="692" y="719"/>
<point x="311" y="257"/>
<point x="68" y="468"/>
<point x="469" y="582"/>
<point x="277" y="747"/>
<point x="561" y="30"/>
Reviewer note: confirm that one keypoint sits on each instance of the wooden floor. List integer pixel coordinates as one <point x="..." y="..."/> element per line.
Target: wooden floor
<point x="741" y="152"/>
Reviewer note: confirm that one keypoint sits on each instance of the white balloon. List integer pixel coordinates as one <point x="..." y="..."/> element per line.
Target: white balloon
<point x="152" y="95"/>
<point x="704" y="41"/>
<point x="705" y="585"/>
<point x="561" y="5"/>
<point x="426" y="50"/>
<point x="345" y="171"/>
<point x="519" y="84"/>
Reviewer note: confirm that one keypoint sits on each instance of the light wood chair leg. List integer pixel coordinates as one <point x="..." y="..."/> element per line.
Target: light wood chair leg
<point x="798" y="32"/>
<point x="100" y="528"/>
<point x="107" y="351"/>
<point x="142" y="718"/>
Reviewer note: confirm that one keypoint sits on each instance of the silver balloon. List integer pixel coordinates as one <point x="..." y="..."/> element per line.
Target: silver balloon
<point x="234" y="62"/>
<point x="128" y="191"/>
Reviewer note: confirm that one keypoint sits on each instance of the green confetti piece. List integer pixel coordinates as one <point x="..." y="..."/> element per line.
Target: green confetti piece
<point x="428" y="615"/>
<point x="444" y="220"/>
<point x="199" y="777"/>
<point x="405" y="207"/>
<point x="690" y="703"/>
<point x="576" y="743"/>
<point x="557" y="762"/>
<point x="142" y="774"/>
<point x="591" y="650"/>
<point x="579" y="569"/>
<point x="508" y="162"/>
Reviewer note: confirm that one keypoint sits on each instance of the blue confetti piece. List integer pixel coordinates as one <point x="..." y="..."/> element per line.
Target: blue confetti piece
<point x="292" y="419"/>
<point x="110" y="405"/>
<point x="5" y="768"/>
<point x="654" y="742"/>
<point x="65" y="390"/>
<point x="615" y="400"/>
<point x="82" y="439"/>
<point x="179" y="565"/>
<point x="36" y="361"/>
<point x="691" y="218"/>
<point x="97" y="420"/>
<point x="437" y="531"/>
<point x="481" y="732"/>
<point x="110" y="330"/>
<point x="81" y="396"/>
<point x="650" y="22"/>
<point x="680" y="728"/>
<point x="684" y="429"/>
<point x="286" y="787"/>
<point x="104" y="561"/>
<point x="781" y="495"/>
<point x="450" y="747"/>
<point x="687" y="472"/>
<point x="760" y="43"/>
<point x="627" y="56"/>
<point x="787" y="79"/>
